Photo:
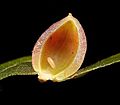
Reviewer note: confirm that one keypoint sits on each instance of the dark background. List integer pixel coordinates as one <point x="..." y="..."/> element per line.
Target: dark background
<point x="22" y="24"/>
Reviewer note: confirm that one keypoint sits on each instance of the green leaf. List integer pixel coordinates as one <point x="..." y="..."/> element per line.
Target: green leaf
<point x="105" y="62"/>
<point x="20" y="66"/>
<point x="23" y="66"/>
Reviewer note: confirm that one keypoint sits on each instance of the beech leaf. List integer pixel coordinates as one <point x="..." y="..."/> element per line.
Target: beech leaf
<point x="23" y="66"/>
<point x="20" y="66"/>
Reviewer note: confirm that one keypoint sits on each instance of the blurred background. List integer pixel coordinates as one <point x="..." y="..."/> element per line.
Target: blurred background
<point x="22" y="23"/>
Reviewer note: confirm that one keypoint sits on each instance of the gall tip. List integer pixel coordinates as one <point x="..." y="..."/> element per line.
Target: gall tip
<point x="70" y="14"/>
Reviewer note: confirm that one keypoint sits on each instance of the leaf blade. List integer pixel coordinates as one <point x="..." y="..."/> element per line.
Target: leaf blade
<point x="23" y="66"/>
<point x="20" y="66"/>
